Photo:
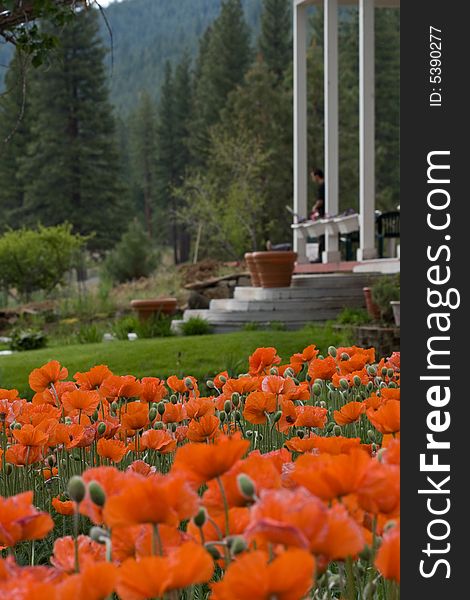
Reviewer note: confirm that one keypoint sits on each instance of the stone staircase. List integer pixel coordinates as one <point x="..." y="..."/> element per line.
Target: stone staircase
<point x="310" y="298"/>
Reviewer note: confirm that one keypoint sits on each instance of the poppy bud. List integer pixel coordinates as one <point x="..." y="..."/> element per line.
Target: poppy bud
<point x="301" y="434"/>
<point x="152" y="414"/>
<point x="237" y="544"/>
<point x="213" y="551"/>
<point x="370" y="386"/>
<point x="235" y="398"/>
<point x="222" y="417"/>
<point x="173" y="398"/>
<point x="344" y="383"/>
<point x="76" y="489"/>
<point x="188" y="383"/>
<point x="371" y="435"/>
<point x="227" y="406"/>
<point x="51" y="460"/>
<point x="210" y="384"/>
<point x="357" y="380"/>
<point x="223" y="379"/>
<point x="392" y="384"/>
<point x="114" y="406"/>
<point x="372" y="370"/>
<point x="277" y="416"/>
<point x="389" y="525"/>
<point x="329" y="427"/>
<point x="101" y="428"/>
<point x="68" y="421"/>
<point x="380" y="454"/>
<point x="94" y="416"/>
<point x="261" y="437"/>
<point x="273" y="371"/>
<point x="289" y="372"/>
<point x="337" y="430"/>
<point x="322" y="403"/>
<point x="173" y="427"/>
<point x="201" y="517"/>
<point x="98" y="534"/>
<point x="390" y="372"/>
<point x="8" y="468"/>
<point x="330" y="396"/>
<point x="158" y="425"/>
<point x="308" y="377"/>
<point x="375" y="448"/>
<point x="345" y="356"/>
<point x="316" y="389"/>
<point x="383" y="371"/>
<point x="246" y="486"/>
<point x="17" y="426"/>
<point x="238" y="416"/>
<point x="366" y="553"/>
<point x="153" y="404"/>
<point x="320" y="357"/>
<point x="249" y="433"/>
<point x="97" y="494"/>
<point x="161" y="408"/>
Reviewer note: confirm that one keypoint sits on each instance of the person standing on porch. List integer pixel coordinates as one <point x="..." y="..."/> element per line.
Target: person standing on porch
<point x="318" y="210"/>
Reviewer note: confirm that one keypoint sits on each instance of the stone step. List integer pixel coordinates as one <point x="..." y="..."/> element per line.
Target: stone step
<point x="230" y="327"/>
<point x="286" y="316"/>
<point x="293" y="305"/>
<point x="297" y="293"/>
<point x="333" y="280"/>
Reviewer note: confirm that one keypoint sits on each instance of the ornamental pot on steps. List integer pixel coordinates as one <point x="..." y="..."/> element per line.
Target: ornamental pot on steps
<point x="372" y="308"/>
<point x="275" y="268"/>
<point x="154" y="306"/>
<point x="250" y="263"/>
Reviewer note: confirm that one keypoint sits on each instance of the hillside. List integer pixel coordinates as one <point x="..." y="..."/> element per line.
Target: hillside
<point x="147" y="33"/>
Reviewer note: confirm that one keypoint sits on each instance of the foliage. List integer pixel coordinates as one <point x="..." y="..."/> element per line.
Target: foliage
<point x="133" y="257"/>
<point x="89" y="334"/>
<point x="384" y="290"/>
<point x="27" y="339"/>
<point x="153" y="327"/>
<point x="37" y="259"/>
<point x="275" y="40"/>
<point x="196" y="326"/>
<point x="353" y="316"/>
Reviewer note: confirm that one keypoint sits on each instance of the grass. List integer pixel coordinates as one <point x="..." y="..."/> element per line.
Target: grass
<point x="201" y="356"/>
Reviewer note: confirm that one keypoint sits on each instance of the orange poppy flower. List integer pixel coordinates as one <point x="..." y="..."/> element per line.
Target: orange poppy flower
<point x="257" y="404"/>
<point x="351" y="351"/>
<point x="89" y="552"/>
<point x="388" y="556"/>
<point x="158" y="499"/>
<point x="386" y="418"/>
<point x="220" y="379"/>
<point x="9" y="395"/>
<point x="179" y="385"/>
<point x="142" y="468"/>
<point x="203" y="462"/>
<point x="23" y="455"/>
<point x="120" y="386"/>
<point x="288" y="416"/>
<point x="390" y="393"/>
<point x="63" y="507"/>
<point x="277" y="385"/>
<point x="332" y="476"/>
<point x="92" y="379"/>
<point x="362" y="374"/>
<point x="114" y="450"/>
<point x="174" y="413"/>
<point x="94" y="582"/>
<point x="324" y="445"/>
<point x="80" y="436"/>
<point x="307" y="355"/>
<point x="159" y="439"/>
<point x="290" y="576"/>
<point x="207" y="428"/>
<point x="344" y="536"/>
<point x="112" y="481"/>
<point x="153" y="389"/>
<point x="80" y="402"/>
<point x="153" y="576"/>
<point x="392" y="454"/>
<point x="20" y="520"/>
<point x="135" y="417"/>
<point x="242" y="385"/>
<point x="262" y="359"/>
<point x="32" y="436"/>
<point x="380" y="489"/>
<point x="292" y="518"/>
<point x="322" y="368"/>
<point x="349" y="413"/>
<point x="50" y="473"/>
<point x="50" y="373"/>
<point x="311" y="416"/>
<point x="199" y="407"/>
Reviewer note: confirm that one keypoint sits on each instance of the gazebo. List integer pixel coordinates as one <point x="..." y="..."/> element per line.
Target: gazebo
<point x="366" y="218"/>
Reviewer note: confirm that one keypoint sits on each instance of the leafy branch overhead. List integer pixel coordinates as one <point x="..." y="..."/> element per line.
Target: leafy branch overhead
<point x="18" y="23"/>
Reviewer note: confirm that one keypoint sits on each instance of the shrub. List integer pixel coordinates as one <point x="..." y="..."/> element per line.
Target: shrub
<point x="353" y="316"/>
<point x="196" y="326"/>
<point x="89" y="334"/>
<point x="252" y="326"/>
<point x="384" y="290"/>
<point x="125" y="325"/>
<point x="133" y="257"/>
<point x="27" y="339"/>
<point x="156" y="326"/>
<point x="37" y="259"/>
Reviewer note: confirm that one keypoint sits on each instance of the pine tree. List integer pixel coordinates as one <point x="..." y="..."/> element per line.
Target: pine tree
<point x="275" y="41"/>
<point x="15" y="123"/>
<point x="72" y="165"/>
<point x="226" y="59"/>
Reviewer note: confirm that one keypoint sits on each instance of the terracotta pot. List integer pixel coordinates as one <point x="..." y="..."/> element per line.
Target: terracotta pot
<point x="153" y="306"/>
<point x="255" y="280"/>
<point x="372" y="308"/>
<point x="275" y="269"/>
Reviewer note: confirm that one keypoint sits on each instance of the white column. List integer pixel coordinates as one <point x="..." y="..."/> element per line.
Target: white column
<point x="331" y="253"/>
<point x="300" y="123"/>
<point x="367" y="248"/>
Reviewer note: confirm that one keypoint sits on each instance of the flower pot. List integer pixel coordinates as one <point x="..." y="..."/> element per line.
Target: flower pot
<point x="396" y="311"/>
<point x="275" y="268"/>
<point x="347" y="224"/>
<point x="372" y="308"/>
<point x="255" y="280"/>
<point x="148" y="308"/>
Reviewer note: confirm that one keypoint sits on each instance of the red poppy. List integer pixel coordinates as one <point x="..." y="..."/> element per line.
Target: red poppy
<point x="322" y="368"/>
<point x="96" y="581"/>
<point x="386" y="418"/>
<point x="174" y="413"/>
<point x="63" y="507"/>
<point x="135" y="416"/>
<point x="23" y="455"/>
<point x="344" y="536"/>
<point x="114" y="450"/>
<point x="153" y="389"/>
<point x="159" y="439"/>
<point x="290" y="576"/>
<point x="89" y="552"/>
<point x="257" y="404"/>
<point x="307" y="355"/>
<point x="32" y="436"/>
<point x="120" y="386"/>
<point x="20" y="520"/>
<point x="50" y="373"/>
<point x="207" y="428"/>
<point x="80" y="402"/>
<point x="388" y="556"/>
<point x="199" y="407"/>
<point x="311" y="416"/>
<point x="92" y="379"/>
<point x="349" y="413"/>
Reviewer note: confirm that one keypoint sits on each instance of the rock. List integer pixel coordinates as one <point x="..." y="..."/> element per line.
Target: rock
<point x="198" y="301"/>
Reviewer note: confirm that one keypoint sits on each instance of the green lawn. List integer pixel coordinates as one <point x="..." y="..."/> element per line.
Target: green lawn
<point x="200" y="356"/>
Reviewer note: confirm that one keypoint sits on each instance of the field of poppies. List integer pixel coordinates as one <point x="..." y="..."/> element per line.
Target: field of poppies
<point x="280" y="484"/>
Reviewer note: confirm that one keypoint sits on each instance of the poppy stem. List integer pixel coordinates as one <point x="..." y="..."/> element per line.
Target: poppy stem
<point x="75" y="537"/>
<point x="224" y="499"/>
<point x="156" y="541"/>
<point x="350" y="580"/>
